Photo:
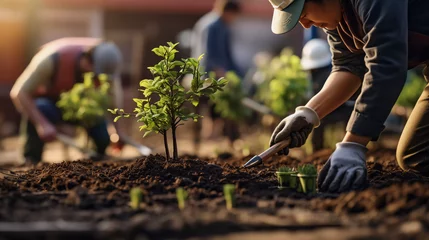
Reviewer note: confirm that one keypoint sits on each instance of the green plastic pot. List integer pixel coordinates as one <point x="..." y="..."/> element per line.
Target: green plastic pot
<point x="295" y="182"/>
<point x="307" y="183"/>
<point x="284" y="179"/>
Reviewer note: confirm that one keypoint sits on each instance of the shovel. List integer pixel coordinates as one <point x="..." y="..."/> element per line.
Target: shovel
<point x="143" y="150"/>
<point x="258" y="159"/>
<point x="256" y="106"/>
<point x="70" y="142"/>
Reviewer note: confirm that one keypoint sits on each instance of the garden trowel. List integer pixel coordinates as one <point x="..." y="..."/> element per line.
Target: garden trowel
<point x="143" y="150"/>
<point x="256" y="106"/>
<point x="258" y="159"/>
<point x="70" y="142"/>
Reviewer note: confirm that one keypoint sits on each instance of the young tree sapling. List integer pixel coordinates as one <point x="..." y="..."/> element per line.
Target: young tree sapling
<point x="163" y="105"/>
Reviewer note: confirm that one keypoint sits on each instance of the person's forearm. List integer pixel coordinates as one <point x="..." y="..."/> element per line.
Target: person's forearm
<point x="338" y="88"/>
<point x="25" y="104"/>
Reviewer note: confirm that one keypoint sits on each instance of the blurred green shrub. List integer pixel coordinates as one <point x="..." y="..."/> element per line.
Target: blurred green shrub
<point x="286" y="85"/>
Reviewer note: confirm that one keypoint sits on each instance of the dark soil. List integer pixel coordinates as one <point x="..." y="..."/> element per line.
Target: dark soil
<point x="396" y="203"/>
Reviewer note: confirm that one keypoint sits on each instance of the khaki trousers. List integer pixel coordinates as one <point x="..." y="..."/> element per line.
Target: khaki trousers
<point x="412" y="152"/>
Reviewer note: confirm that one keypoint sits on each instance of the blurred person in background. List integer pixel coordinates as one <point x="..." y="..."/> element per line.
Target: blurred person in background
<point x="198" y="47"/>
<point x="218" y="57"/>
<point x="200" y="30"/>
<point x="55" y="69"/>
<point x="373" y="43"/>
<point x="316" y="60"/>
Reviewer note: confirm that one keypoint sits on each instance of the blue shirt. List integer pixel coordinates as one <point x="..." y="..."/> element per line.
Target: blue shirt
<point x="219" y="55"/>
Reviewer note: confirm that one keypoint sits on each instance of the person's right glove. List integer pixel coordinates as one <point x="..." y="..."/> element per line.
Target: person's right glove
<point x="345" y="169"/>
<point x="297" y="126"/>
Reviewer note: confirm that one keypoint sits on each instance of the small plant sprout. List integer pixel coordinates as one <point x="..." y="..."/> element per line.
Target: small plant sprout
<point x="182" y="196"/>
<point x="164" y="102"/>
<point x="136" y="195"/>
<point x="284" y="177"/>
<point x="229" y="193"/>
<point x="307" y="175"/>
<point x="285" y="169"/>
<point x="307" y="169"/>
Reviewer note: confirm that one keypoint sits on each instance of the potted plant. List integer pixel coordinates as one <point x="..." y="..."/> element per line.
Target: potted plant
<point x="163" y="105"/>
<point x="284" y="176"/>
<point x="307" y="175"/>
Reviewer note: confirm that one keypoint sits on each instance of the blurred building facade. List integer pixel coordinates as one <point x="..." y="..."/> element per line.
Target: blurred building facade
<point x="137" y="26"/>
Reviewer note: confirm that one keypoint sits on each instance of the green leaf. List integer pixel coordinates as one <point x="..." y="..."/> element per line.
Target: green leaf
<point x="146" y="83"/>
<point x="160" y="51"/>
<point x="113" y="111"/>
<point x="117" y="118"/>
<point x="195" y="102"/>
<point x="146" y="133"/>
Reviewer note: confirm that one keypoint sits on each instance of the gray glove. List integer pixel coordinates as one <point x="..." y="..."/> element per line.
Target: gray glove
<point x="297" y="127"/>
<point x="345" y="170"/>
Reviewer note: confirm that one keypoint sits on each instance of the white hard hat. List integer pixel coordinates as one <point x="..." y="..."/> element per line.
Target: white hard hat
<point x="316" y="54"/>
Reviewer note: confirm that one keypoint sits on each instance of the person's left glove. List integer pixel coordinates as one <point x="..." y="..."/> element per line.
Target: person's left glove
<point x="345" y="170"/>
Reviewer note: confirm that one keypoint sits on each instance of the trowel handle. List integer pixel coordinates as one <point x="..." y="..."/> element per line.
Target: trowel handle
<point x="274" y="149"/>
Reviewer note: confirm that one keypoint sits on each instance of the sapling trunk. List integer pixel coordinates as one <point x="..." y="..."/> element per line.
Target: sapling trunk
<point x="173" y="132"/>
<point x="167" y="152"/>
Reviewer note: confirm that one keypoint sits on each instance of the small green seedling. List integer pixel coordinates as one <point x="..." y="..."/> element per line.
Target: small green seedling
<point x="163" y="105"/>
<point x="307" y="175"/>
<point x="285" y="169"/>
<point x="136" y="195"/>
<point x="284" y="176"/>
<point x="307" y="169"/>
<point x="181" y="195"/>
<point x="229" y="193"/>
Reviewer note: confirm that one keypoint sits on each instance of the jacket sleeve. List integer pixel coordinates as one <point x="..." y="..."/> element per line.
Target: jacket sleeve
<point x="386" y="58"/>
<point x="342" y="59"/>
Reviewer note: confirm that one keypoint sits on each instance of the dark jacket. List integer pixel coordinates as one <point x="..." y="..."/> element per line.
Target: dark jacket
<point x="379" y="40"/>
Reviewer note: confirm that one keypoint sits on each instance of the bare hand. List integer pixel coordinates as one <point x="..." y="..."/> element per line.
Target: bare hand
<point x="47" y="132"/>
